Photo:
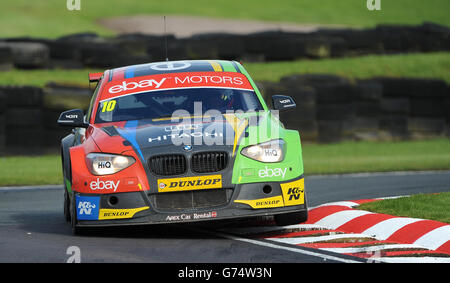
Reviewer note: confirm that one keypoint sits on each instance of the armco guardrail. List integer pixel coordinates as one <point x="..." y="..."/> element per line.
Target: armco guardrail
<point x="329" y="109"/>
<point x="91" y="50"/>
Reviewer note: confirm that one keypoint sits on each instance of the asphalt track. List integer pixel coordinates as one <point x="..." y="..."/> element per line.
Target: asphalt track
<point x="32" y="228"/>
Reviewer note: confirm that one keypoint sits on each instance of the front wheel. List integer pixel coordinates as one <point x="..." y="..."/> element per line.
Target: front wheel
<point x="66" y="206"/>
<point x="66" y="177"/>
<point x="73" y="219"/>
<point x="291" y="218"/>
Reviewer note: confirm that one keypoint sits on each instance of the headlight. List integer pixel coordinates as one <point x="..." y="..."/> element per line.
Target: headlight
<point x="105" y="164"/>
<point x="271" y="151"/>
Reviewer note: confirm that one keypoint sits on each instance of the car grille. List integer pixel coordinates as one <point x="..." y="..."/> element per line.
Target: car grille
<point x="176" y="164"/>
<point x="171" y="164"/>
<point x="207" y="162"/>
<point x="199" y="199"/>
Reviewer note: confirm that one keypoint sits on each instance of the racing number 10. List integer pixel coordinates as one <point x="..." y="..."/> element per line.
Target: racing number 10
<point x="109" y="106"/>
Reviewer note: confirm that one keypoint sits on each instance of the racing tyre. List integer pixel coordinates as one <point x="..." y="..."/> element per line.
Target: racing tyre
<point x="66" y="205"/>
<point x="66" y="194"/>
<point x="291" y="218"/>
<point x="73" y="219"/>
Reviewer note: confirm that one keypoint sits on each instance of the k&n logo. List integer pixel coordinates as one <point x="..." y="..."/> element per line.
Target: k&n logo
<point x="85" y="207"/>
<point x="294" y="192"/>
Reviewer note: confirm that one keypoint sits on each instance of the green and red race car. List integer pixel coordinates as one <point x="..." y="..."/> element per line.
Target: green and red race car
<point x="180" y="141"/>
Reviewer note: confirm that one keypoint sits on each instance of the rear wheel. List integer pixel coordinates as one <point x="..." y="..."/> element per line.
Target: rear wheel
<point x="291" y="218"/>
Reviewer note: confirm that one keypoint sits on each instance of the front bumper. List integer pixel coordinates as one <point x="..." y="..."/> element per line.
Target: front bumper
<point x="239" y="201"/>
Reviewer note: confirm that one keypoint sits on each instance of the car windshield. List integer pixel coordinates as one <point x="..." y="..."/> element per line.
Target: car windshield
<point x="162" y="104"/>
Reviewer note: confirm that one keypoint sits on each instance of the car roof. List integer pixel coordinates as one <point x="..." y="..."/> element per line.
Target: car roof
<point x="153" y="73"/>
<point x="165" y="67"/>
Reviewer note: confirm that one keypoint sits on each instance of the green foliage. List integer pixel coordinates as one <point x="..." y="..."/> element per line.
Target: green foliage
<point x="27" y="170"/>
<point x="428" y="65"/>
<point x="349" y="157"/>
<point x="424" y="65"/>
<point x="50" y="18"/>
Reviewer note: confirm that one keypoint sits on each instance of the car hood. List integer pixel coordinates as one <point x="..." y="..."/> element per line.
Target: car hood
<point x="195" y="133"/>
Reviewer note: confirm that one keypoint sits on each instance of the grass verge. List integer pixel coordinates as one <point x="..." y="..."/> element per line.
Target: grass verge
<point x="51" y="18"/>
<point x="346" y="157"/>
<point x="26" y="170"/>
<point x="414" y="65"/>
<point x="350" y="157"/>
<point x="426" y="65"/>
<point x="424" y="206"/>
<point x="40" y="78"/>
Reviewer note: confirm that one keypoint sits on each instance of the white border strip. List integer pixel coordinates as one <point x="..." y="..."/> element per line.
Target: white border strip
<point x="293" y="249"/>
<point x="368" y="249"/>
<point x="307" y="240"/>
<point x="23" y="188"/>
<point x="266" y="229"/>
<point x="413" y="259"/>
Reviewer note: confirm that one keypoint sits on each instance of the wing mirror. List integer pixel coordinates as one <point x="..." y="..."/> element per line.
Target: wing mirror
<point x="283" y="102"/>
<point x="72" y="118"/>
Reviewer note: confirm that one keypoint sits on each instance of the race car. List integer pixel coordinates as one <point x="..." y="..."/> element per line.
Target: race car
<point x="180" y="141"/>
